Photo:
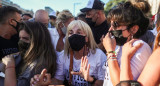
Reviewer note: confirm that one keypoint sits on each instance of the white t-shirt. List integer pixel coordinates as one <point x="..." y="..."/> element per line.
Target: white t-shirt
<point x="54" y="38"/>
<point x="138" y="61"/>
<point x="96" y="62"/>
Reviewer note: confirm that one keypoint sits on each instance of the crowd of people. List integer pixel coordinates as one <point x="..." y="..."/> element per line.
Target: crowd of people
<point x="91" y="49"/>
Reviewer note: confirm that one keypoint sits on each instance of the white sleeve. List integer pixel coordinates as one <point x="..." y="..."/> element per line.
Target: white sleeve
<point x="60" y="68"/>
<point x="100" y="65"/>
<point x="140" y="58"/>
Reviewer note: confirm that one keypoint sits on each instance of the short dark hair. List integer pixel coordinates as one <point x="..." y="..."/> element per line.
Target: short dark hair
<point x="27" y="14"/>
<point x="129" y="15"/>
<point x="6" y="12"/>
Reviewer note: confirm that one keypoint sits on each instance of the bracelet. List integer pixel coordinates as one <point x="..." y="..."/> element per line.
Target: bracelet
<point x="111" y="52"/>
<point x="114" y="52"/>
<point x="10" y="67"/>
<point x="94" y="80"/>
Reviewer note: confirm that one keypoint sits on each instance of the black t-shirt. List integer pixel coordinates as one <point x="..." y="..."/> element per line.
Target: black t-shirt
<point x="100" y="30"/>
<point x="8" y="46"/>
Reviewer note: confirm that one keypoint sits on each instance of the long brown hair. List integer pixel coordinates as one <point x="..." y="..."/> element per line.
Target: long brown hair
<point x="41" y="49"/>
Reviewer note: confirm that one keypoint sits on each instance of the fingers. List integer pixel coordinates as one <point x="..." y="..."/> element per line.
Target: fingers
<point x="88" y="68"/>
<point x="135" y="48"/>
<point x="102" y="38"/>
<point x="75" y="73"/>
<point x="34" y="79"/>
<point x="44" y="71"/>
<point x="85" y="62"/>
<point x="47" y="79"/>
<point x="132" y="41"/>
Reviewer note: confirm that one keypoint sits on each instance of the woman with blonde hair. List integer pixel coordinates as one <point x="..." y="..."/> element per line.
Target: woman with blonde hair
<point x="80" y="49"/>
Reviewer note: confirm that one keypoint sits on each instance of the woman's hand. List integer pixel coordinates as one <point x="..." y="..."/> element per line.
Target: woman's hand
<point x="43" y="79"/>
<point x="128" y="50"/>
<point x="9" y="61"/>
<point x="84" y="70"/>
<point x="60" y="30"/>
<point x="109" y="42"/>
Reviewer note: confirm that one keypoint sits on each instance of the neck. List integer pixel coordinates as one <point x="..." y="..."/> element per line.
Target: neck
<point x="79" y="54"/>
<point x="101" y="19"/>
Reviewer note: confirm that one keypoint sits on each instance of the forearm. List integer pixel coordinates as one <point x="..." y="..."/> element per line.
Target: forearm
<point x="60" y="44"/>
<point x="10" y="76"/>
<point x="114" y="70"/>
<point x="126" y="72"/>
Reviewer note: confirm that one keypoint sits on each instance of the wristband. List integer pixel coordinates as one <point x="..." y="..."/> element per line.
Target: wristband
<point x="111" y="52"/>
<point x="10" y="67"/>
<point x="94" y="80"/>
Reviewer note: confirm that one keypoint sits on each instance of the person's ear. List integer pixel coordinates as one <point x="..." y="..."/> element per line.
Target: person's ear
<point x="10" y="21"/>
<point x="134" y="29"/>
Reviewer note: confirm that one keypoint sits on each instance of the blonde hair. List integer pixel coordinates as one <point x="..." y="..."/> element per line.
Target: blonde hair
<point x="86" y="29"/>
<point x="63" y="16"/>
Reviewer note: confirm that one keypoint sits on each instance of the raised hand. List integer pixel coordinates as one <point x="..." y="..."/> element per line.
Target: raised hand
<point x="9" y="61"/>
<point x="42" y="79"/>
<point x="84" y="70"/>
<point x="109" y="42"/>
<point x="128" y="50"/>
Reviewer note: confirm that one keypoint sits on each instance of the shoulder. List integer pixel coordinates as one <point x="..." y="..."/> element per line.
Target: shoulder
<point x="99" y="52"/>
<point x="99" y="55"/>
<point x="145" y="45"/>
<point x="53" y="31"/>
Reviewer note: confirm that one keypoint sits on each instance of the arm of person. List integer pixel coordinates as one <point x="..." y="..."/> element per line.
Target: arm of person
<point x="10" y="73"/>
<point x="60" y="43"/>
<point x="150" y="75"/>
<point x="114" y="69"/>
<point x="128" y="51"/>
<point x="109" y="43"/>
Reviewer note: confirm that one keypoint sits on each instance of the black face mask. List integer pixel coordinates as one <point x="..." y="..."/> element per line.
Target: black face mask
<point x="120" y="40"/>
<point x="90" y="22"/>
<point x="17" y="26"/>
<point x="23" y="46"/>
<point x="76" y="42"/>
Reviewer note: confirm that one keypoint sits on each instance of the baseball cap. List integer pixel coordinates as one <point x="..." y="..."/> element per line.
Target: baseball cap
<point x="53" y="13"/>
<point x="93" y="4"/>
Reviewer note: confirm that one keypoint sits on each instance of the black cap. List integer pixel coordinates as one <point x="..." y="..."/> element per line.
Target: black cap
<point x="93" y="4"/>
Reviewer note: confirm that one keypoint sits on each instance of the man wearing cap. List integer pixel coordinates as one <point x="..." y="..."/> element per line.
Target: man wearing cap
<point x="52" y="19"/>
<point x="96" y="19"/>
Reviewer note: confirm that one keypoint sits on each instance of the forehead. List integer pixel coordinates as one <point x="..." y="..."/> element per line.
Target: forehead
<point x="23" y="33"/>
<point x="90" y="11"/>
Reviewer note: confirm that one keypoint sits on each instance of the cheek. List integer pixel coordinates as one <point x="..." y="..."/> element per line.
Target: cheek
<point x="125" y="33"/>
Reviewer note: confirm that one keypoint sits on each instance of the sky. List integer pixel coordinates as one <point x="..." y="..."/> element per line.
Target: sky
<point x="57" y="5"/>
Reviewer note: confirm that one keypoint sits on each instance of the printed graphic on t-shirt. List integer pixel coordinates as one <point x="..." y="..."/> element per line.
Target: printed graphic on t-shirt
<point x="76" y="79"/>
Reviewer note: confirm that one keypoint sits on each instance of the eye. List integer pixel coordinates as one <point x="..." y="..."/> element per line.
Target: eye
<point x="70" y="32"/>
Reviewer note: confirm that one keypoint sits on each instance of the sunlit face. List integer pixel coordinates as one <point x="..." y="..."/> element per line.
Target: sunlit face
<point x="92" y="14"/>
<point x="24" y="36"/>
<point x="116" y="26"/>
